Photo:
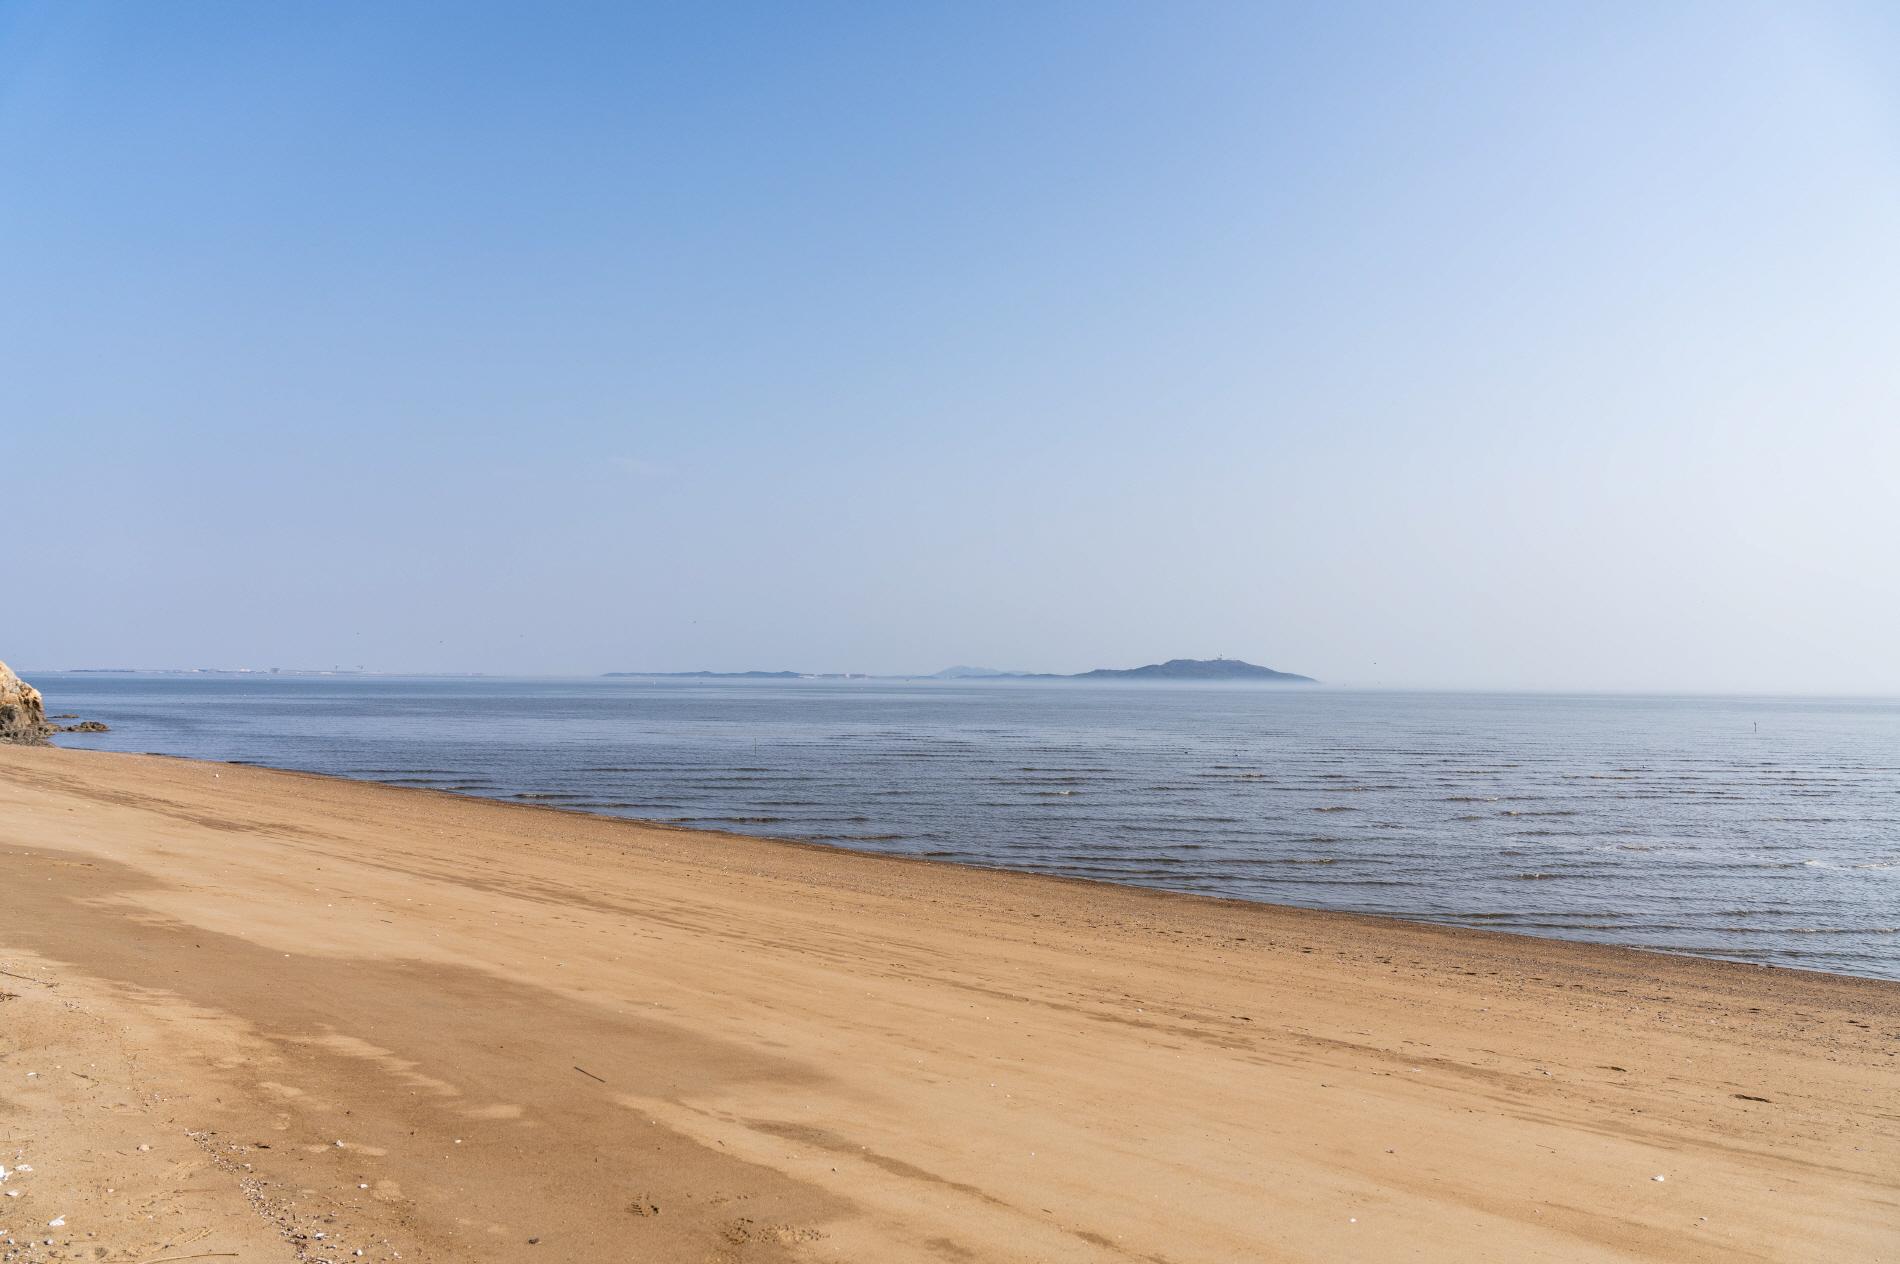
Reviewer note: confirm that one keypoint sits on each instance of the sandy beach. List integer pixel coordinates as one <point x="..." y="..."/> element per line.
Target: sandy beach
<point x="264" y="1016"/>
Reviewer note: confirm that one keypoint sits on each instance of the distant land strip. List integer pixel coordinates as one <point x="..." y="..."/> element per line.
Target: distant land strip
<point x="1173" y="669"/>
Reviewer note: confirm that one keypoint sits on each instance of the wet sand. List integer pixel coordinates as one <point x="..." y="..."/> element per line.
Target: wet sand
<point x="245" y="1008"/>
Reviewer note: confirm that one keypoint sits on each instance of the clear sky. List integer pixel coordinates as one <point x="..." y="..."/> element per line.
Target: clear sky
<point x="1439" y="345"/>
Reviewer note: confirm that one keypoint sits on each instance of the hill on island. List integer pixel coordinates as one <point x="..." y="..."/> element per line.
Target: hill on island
<point x="1196" y="669"/>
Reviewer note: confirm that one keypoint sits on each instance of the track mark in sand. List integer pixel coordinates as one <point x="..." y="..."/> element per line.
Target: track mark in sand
<point x="29" y="978"/>
<point x="1747" y="1097"/>
<point x="825" y="1139"/>
<point x="1109" y="1244"/>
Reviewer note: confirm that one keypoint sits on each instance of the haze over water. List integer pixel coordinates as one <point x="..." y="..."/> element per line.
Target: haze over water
<point x="1758" y="829"/>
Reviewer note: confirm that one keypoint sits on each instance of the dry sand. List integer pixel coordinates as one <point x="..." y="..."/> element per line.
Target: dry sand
<point x="261" y="1016"/>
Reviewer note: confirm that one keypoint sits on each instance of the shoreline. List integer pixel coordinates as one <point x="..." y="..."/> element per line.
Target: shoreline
<point x="649" y="823"/>
<point x="1661" y="834"/>
<point x="613" y="1036"/>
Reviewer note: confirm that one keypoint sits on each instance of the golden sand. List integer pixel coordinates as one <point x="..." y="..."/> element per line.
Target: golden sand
<point x="247" y="1008"/>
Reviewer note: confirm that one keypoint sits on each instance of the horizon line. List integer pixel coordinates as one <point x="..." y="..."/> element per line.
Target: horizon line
<point x="1339" y="686"/>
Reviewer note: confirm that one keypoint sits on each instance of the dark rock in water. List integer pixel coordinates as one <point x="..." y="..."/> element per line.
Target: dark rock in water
<point x="64" y="715"/>
<point x="84" y="726"/>
<point x="22" y="713"/>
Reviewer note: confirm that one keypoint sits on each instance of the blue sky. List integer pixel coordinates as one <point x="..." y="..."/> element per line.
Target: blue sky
<point x="1489" y="345"/>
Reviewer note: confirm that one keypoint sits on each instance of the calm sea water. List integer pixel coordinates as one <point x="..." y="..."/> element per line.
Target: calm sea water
<point x="1761" y="829"/>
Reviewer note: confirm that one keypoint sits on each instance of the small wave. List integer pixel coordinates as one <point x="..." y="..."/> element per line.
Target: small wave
<point x="726" y="820"/>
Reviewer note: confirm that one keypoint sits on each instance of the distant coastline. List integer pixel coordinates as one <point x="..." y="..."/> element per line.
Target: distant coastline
<point x="711" y="675"/>
<point x="1175" y="669"/>
<point x="1231" y="669"/>
<point x="252" y="671"/>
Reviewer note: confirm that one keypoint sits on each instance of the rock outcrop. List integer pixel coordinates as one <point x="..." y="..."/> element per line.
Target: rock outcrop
<point x="22" y="714"/>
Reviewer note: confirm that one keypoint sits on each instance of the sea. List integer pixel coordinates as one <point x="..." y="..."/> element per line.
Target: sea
<point x="1758" y="829"/>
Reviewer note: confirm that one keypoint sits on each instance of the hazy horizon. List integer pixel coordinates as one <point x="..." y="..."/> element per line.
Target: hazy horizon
<point x="846" y="676"/>
<point x="1475" y="347"/>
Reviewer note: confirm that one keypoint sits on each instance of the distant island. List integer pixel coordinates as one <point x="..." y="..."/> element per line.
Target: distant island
<point x="1173" y="669"/>
<point x="1197" y="669"/>
<point x="713" y="675"/>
